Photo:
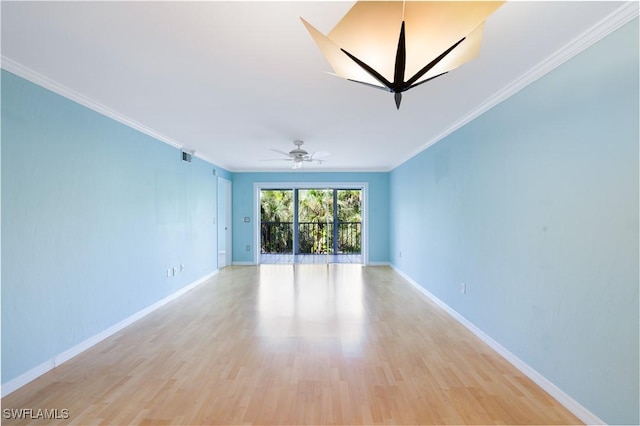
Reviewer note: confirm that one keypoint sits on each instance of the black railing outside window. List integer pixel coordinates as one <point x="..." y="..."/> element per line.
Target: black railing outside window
<point x="313" y="238"/>
<point x="277" y="237"/>
<point x="349" y="237"/>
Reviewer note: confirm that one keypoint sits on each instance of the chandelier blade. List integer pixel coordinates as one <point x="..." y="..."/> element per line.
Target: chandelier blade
<point x="342" y="65"/>
<point x="428" y="79"/>
<point x="373" y="73"/>
<point x="398" y="98"/>
<point x="401" y="60"/>
<point x="375" y="86"/>
<point x="433" y="63"/>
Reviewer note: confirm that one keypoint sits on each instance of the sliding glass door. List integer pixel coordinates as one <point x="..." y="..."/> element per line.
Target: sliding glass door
<point x="276" y="225"/>
<point x="311" y="225"/>
<point x="314" y="224"/>
<point x="348" y="233"/>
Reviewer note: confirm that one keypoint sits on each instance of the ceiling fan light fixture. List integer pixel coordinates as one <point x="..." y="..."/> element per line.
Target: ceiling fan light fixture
<point x="396" y="46"/>
<point x="298" y="156"/>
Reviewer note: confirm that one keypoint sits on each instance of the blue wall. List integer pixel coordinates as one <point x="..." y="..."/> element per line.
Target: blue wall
<point x="534" y="205"/>
<point x="378" y="205"/>
<point x="93" y="214"/>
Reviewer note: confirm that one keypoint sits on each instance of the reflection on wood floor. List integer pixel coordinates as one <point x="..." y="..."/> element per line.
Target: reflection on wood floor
<point x="284" y="344"/>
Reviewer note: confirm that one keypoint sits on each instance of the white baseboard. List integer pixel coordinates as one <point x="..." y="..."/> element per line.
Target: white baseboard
<point x="243" y="263"/>
<point x="378" y="264"/>
<point x="34" y="373"/>
<point x="558" y="394"/>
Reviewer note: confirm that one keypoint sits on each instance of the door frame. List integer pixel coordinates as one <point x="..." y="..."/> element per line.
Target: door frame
<point x="221" y="226"/>
<point x="259" y="186"/>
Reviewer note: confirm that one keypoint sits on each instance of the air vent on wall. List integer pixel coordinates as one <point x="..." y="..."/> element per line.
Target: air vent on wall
<point x="186" y="156"/>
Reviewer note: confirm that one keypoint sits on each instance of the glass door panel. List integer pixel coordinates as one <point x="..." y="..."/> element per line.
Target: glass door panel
<point x="311" y="225"/>
<point x="276" y="225"/>
<point x="315" y="232"/>
<point x="349" y="221"/>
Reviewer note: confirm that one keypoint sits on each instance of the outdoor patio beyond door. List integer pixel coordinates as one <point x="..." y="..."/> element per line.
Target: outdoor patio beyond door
<point x="311" y="225"/>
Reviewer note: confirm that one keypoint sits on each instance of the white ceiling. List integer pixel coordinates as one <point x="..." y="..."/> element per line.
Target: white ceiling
<point x="231" y="80"/>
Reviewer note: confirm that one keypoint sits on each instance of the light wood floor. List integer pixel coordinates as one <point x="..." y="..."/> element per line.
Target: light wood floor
<point x="318" y="344"/>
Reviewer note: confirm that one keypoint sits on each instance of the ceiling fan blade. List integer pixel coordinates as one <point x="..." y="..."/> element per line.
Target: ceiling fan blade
<point x="320" y="154"/>
<point x="278" y="159"/>
<point x="310" y="159"/>
<point x="281" y="152"/>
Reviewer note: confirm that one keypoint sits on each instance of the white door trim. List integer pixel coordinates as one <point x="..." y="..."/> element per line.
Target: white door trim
<point x="225" y="227"/>
<point x="258" y="186"/>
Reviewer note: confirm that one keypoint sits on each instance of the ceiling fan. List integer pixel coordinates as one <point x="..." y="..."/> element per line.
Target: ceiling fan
<point x="299" y="155"/>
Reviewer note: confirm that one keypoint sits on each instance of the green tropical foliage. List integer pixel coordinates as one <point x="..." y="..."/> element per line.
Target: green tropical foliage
<point x="315" y="216"/>
<point x="350" y="220"/>
<point x="315" y="205"/>
<point x="349" y="204"/>
<point x="276" y="207"/>
<point x="315" y="220"/>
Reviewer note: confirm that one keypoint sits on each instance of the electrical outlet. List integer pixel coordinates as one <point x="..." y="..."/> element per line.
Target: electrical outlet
<point x="174" y="271"/>
<point x="463" y="288"/>
<point x="181" y="267"/>
<point x="248" y="247"/>
<point x="400" y="254"/>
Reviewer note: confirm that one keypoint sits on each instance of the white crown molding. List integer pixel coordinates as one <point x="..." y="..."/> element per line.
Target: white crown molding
<point x="558" y="394"/>
<point x="52" y="85"/>
<point x="314" y="170"/>
<point x="213" y="163"/>
<point x="57" y="88"/>
<point x="598" y="31"/>
<point x="28" y="74"/>
<point x="624" y="14"/>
